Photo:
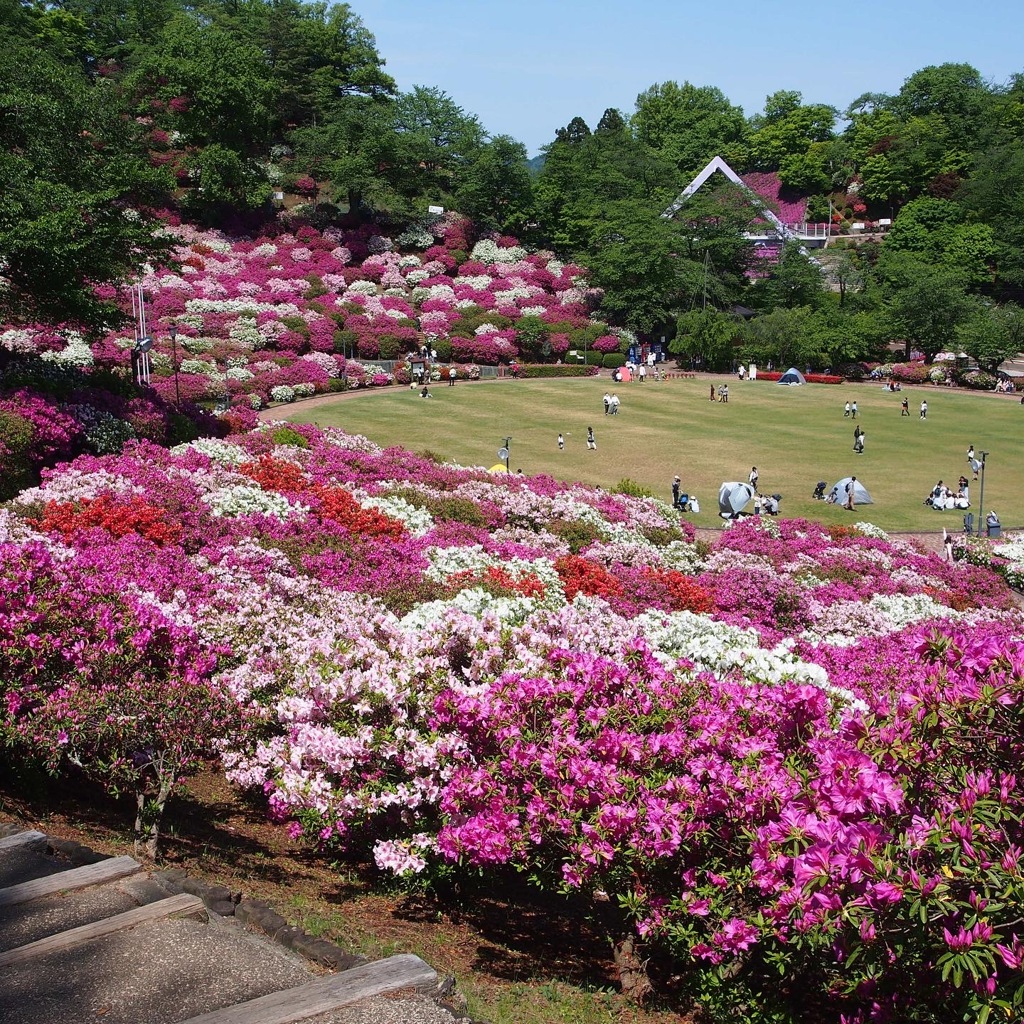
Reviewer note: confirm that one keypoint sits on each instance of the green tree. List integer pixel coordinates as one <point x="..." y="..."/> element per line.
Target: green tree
<point x="212" y="86"/>
<point x="788" y="128"/>
<point x="359" y="153"/>
<point x="496" y="189"/>
<point x="794" y="280"/>
<point x="924" y="303"/>
<point x="992" y="334"/>
<point x="76" y="185"/>
<point x="994" y="195"/>
<point x="689" y="124"/>
<point x="955" y="93"/>
<point x="222" y="181"/>
<point x="784" y="337"/>
<point x="315" y="53"/>
<point x="632" y="257"/>
<point x="705" y="338"/>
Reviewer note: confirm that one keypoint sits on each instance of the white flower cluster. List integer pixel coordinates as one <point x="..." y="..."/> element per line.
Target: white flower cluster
<point x="490" y="252"/>
<point x="195" y="345"/>
<point x="870" y="530"/>
<point x="221" y="452"/>
<point x="77" y="352"/>
<point x="199" y="366"/>
<point x="362" y="288"/>
<point x="76" y="485"/>
<point x="719" y="647"/>
<point x="479" y="282"/>
<point x="282" y="393"/>
<point x="240" y="307"/>
<point x="245" y="332"/>
<point x="304" y="390"/>
<point x="246" y="499"/>
<point x="486" y="328"/>
<point x="905" y="609"/>
<point x="14" y="340"/>
<point x="239" y="373"/>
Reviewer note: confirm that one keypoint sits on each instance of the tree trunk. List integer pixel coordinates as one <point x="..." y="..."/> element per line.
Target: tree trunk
<point x="632" y="971"/>
<point x="148" y="815"/>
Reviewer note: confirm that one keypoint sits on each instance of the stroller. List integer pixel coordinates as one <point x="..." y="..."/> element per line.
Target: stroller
<point x="819" y="490"/>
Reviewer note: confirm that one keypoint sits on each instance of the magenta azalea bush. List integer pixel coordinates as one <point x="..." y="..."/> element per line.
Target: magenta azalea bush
<point x="786" y="761"/>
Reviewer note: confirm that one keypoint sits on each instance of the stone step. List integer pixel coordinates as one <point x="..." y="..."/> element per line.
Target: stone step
<point x="27" y="859"/>
<point x="171" y="906"/>
<point x="29" y="922"/>
<point x="396" y="973"/>
<point x="72" y="878"/>
<point x="105" y="942"/>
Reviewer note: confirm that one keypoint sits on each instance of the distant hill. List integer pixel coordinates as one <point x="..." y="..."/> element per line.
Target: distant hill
<point x="536" y="164"/>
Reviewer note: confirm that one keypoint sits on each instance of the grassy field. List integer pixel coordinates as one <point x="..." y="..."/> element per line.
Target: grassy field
<point x="795" y="437"/>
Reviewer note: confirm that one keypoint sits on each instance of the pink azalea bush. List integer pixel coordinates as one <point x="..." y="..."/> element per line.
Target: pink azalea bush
<point x="788" y="761"/>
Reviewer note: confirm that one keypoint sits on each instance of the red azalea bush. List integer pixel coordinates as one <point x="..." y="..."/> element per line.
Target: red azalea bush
<point x="337" y="504"/>
<point x="811" y="378"/>
<point x="117" y="517"/>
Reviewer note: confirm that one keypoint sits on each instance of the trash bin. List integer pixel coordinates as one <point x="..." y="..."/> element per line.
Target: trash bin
<point x="995" y="529"/>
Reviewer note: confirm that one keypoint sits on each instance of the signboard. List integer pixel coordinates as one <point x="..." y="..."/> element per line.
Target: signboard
<point x="435" y="209"/>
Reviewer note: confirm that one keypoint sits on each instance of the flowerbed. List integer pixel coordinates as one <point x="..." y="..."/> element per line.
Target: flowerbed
<point x="788" y="759"/>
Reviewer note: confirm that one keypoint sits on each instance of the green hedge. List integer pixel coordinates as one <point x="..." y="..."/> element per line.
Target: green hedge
<point x="554" y="370"/>
<point x="613" y="360"/>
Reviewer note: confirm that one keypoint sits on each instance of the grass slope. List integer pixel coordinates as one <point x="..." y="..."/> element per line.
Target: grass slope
<point x="795" y="437"/>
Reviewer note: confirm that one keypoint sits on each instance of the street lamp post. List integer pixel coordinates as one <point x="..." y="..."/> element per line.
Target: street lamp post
<point x="174" y="356"/>
<point x="981" y="501"/>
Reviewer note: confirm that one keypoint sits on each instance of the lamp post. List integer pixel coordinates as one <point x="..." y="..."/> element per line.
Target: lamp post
<point x="174" y="356"/>
<point x="981" y="501"/>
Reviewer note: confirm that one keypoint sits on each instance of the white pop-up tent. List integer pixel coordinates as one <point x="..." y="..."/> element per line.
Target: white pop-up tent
<point x="792" y="376"/>
<point x="733" y="498"/>
<point x="860" y="492"/>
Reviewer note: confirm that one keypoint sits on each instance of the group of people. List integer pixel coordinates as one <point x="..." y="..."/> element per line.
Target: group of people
<point x="611" y="404"/>
<point x="723" y="393"/>
<point x="942" y="497"/>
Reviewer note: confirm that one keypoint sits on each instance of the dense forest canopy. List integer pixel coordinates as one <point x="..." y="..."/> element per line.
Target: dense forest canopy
<point x="114" y="111"/>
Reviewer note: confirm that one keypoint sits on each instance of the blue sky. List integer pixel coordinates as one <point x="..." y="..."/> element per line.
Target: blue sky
<point x="526" y="67"/>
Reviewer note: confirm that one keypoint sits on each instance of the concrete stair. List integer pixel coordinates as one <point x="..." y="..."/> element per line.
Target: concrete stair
<point x="89" y="938"/>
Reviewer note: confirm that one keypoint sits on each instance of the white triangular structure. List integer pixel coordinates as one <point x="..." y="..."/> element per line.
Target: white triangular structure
<point x="718" y="164"/>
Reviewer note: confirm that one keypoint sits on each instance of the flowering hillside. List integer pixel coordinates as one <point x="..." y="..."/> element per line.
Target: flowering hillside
<point x="769" y="754"/>
<point x="277" y="318"/>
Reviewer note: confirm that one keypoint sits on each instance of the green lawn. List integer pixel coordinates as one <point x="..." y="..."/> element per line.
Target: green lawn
<point x="795" y="437"/>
